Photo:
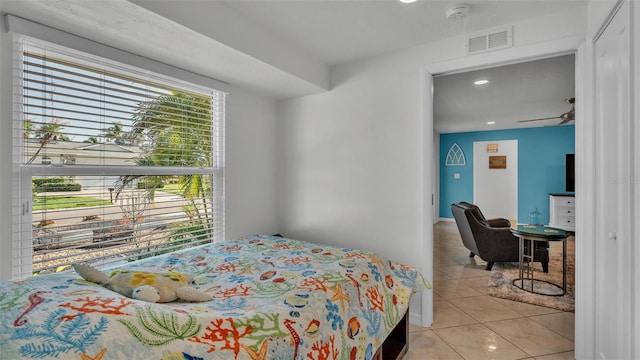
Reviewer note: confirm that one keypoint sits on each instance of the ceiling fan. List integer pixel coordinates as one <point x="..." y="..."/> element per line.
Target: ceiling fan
<point x="566" y="117"/>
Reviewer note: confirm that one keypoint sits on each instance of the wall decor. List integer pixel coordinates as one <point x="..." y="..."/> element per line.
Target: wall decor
<point x="455" y="156"/>
<point x="492" y="148"/>
<point x="541" y="149"/>
<point x="497" y="162"/>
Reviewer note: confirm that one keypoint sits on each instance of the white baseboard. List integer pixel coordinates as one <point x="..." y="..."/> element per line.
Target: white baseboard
<point x="415" y="318"/>
<point x="446" y="219"/>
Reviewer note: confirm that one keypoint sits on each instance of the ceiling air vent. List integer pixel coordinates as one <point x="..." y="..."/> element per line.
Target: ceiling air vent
<point x="492" y="39"/>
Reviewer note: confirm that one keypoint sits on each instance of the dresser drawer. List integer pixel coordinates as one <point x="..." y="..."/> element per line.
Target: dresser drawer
<point x="565" y="201"/>
<point x="565" y="221"/>
<point x="565" y="211"/>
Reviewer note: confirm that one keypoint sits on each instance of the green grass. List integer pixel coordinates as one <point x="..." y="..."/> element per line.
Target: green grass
<point x="172" y="189"/>
<point x="66" y="202"/>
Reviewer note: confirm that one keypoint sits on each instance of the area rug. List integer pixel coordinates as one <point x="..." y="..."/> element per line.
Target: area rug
<point x="503" y="274"/>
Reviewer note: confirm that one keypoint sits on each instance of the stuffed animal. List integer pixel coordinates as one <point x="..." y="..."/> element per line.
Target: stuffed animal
<point x="147" y="286"/>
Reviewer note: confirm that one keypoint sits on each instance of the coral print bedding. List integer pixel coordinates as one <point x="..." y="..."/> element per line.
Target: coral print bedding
<point x="271" y="298"/>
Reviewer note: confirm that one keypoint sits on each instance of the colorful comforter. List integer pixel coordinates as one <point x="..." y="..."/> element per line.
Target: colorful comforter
<point x="272" y="298"/>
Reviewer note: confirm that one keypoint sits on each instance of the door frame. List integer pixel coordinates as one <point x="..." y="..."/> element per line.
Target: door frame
<point x="553" y="48"/>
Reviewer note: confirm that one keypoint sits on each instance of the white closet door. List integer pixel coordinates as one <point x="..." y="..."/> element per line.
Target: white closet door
<point x="495" y="190"/>
<point x="613" y="190"/>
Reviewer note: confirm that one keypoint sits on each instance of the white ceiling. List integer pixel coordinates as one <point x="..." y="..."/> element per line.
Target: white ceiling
<point x="336" y="31"/>
<point x="530" y="90"/>
<point x="340" y="31"/>
<point x="286" y="48"/>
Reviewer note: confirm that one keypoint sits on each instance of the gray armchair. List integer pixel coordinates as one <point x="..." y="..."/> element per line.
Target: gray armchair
<point x="491" y="239"/>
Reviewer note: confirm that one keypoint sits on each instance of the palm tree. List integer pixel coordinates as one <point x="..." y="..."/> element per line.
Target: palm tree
<point x="28" y="129"/>
<point x="126" y="139"/>
<point x="114" y="132"/>
<point x="46" y="133"/>
<point x="159" y="126"/>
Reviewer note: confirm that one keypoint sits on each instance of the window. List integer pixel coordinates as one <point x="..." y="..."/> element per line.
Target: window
<point x="112" y="164"/>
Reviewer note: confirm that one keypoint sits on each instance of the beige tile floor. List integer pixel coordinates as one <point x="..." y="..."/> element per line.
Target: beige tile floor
<point x="469" y="324"/>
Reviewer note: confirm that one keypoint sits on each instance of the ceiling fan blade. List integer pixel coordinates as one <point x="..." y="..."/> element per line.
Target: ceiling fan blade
<point x="547" y="118"/>
<point x="566" y="117"/>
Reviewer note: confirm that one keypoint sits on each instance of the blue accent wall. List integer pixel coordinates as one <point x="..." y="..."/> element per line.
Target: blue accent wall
<point x="541" y="166"/>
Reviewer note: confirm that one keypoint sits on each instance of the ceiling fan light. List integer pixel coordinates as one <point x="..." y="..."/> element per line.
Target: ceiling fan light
<point x="568" y="116"/>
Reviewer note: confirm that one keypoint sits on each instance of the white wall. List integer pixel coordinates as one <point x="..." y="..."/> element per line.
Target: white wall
<point x="635" y="114"/>
<point x="250" y="157"/>
<point x="341" y="180"/>
<point x="250" y="188"/>
<point x="436" y="177"/>
<point x="351" y="160"/>
<point x="6" y="89"/>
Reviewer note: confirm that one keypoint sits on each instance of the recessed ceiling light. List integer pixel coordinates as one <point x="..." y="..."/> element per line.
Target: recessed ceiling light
<point x="481" y="82"/>
<point x="491" y="122"/>
<point x="407" y="1"/>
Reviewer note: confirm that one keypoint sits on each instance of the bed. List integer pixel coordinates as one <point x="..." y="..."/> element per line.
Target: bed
<point x="271" y="298"/>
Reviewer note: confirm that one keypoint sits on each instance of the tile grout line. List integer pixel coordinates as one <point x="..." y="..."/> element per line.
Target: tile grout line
<point x="451" y="250"/>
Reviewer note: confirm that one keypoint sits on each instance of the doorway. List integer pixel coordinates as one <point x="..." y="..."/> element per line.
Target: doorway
<point x="538" y="51"/>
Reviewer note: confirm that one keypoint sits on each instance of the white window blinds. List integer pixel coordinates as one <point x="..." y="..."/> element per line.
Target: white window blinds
<point x="112" y="164"/>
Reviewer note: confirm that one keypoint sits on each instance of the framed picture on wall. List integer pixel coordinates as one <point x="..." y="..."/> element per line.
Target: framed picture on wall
<point x="497" y="162"/>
